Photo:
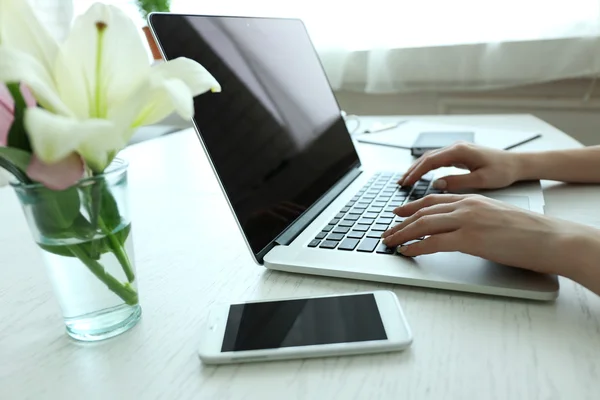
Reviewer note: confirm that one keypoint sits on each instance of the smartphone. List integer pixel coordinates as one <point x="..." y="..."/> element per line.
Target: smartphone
<point x="427" y="141"/>
<point x="356" y="323"/>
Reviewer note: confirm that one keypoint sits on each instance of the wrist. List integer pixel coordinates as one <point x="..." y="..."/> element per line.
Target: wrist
<point x="580" y="251"/>
<point x="529" y="166"/>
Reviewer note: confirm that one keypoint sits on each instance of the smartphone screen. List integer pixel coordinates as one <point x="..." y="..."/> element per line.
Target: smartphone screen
<point x="303" y="322"/>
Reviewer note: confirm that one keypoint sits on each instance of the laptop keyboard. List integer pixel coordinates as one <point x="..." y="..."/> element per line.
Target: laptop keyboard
<point x="359" y="225"/>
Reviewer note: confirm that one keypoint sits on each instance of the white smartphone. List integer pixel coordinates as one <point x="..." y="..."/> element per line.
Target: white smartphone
<point x="336" y="325"/>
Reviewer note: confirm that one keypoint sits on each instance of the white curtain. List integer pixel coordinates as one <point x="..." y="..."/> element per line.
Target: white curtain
<point x="380" y="46"/>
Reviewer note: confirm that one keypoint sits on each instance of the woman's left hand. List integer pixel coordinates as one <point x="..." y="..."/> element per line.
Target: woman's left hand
<point x="486" y="228"/>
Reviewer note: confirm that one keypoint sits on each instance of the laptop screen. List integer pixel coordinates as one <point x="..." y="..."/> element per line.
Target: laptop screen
<point x="274" y="134"/>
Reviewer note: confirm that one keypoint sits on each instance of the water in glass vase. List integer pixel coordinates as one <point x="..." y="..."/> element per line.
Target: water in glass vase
<point x="97" y="293"/>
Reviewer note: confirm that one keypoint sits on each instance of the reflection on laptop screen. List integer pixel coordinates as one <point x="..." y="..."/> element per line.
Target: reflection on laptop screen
<point x="274" y="134"/>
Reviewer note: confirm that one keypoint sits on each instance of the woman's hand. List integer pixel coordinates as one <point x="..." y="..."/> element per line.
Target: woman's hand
<point x="490" y="168"/>
<point x="490" y="229"/>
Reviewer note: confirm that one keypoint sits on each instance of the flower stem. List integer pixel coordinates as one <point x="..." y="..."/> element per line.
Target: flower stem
<point x="124" y="291"/>
<point x="119" y="251"/>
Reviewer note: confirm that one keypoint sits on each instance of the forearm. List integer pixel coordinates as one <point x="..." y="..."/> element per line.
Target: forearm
<point x="582" y="263"/>
<point x="575" y="165"/>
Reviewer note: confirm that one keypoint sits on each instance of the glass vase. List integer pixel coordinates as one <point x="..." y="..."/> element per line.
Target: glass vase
<point x="84" y="234"/>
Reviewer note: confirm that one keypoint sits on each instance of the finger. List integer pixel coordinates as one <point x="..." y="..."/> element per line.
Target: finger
<point x="424" y="226"/>
<point x="415" y="165"/>
<point x="473" y="180"/>
<point x="459" y="154"/>
<point x="410" y="208"/>
<point x="443" y="242"/>
<point x="435" y="209"/>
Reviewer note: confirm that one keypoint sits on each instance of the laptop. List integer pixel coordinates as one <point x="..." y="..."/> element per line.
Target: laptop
<point x="288" y="167"/>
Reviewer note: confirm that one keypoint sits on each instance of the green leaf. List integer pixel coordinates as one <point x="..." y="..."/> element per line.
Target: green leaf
<point x="19" y="158"/>
<point x="15" y="161"/>
<point x="109" y="209"/>
<point x="58" y="250"/>
<point x="55" y="211"/>
<point x="17" y="136"/>
<point x="123" y="234"/>
<point x="93" y="248"/>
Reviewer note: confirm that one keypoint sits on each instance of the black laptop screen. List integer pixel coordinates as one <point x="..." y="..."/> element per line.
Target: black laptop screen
<point x="274" y="134"/>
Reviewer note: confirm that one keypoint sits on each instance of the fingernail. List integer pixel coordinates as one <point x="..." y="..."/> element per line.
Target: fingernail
<point x="402" y="249"/>
<point x="397" y="210"/>
<point x="440" y="184"/>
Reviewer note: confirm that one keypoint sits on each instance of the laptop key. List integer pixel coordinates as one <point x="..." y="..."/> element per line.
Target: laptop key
<point x="375" y="209"/>
<point x="351" y="217"/>
<point x="314" y="243"/>
<point x="328" y="228"/>
<point x="357" y="211"/>
<point x="383" y="249"/>
<point x="361" y="228"/>
<point x="366" y="221"/>
<point x="334" y="221"/>
<point x="341" y="229"/>
<point x="386" y="221"/>
<point x="348" y="244"/>
<point x="374" y="234"/>
<point x="379" y="227"/>
<point x="345" y="210"/>
<point x="367" y="245"/>
<point x="328" y="244"/>
<point x="340" y="215"/>
<point x="346" y="222"/>
<point x="354" y="234"/>
<point x="370" y="215"/>
<point x="350" y="204"/>
<point x="335" y="236"/>
<point x="387" y="215"/>
<point x="321" y="235"/>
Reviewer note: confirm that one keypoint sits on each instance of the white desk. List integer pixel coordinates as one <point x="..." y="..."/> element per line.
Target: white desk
<point x="190" y="255"/>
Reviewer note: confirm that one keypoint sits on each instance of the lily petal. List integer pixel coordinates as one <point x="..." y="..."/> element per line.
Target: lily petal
<point x="103" y="57"/>
<point x="58" y="176"/>
<point x="21" y="29"/>
<point x="16" y="66"/>
<point x="165" y="97"/>
<point x="54" y="137"/>
<point x="194" y="75"/>
<point x="174" y="85"/>
<point x="27" y="96"/>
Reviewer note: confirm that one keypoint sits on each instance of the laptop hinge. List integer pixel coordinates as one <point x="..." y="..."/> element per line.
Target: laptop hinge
<point x="292" y="232"/>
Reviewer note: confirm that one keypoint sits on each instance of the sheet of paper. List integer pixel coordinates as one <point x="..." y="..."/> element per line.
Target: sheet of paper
<point x="404" y="135"/>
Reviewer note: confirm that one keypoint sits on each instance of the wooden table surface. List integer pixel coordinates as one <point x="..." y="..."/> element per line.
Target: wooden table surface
<point x="190" y="255"/>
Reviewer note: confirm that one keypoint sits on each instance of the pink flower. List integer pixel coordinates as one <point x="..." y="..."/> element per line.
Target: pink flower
<point x="7" y="109"/>
<point x="58" y="176"/>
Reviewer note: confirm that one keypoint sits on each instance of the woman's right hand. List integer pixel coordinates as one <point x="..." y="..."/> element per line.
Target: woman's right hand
<point x="489" y="168"/>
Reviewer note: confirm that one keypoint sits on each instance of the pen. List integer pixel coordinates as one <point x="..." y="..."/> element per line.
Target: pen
<point x="523" y="142"/>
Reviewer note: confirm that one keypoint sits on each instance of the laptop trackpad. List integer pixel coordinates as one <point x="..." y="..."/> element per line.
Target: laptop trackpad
<point x="519" y="201"/>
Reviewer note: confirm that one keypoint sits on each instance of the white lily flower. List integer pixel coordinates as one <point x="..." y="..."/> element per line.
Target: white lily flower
<point x="97" y="87"/>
